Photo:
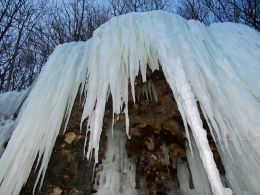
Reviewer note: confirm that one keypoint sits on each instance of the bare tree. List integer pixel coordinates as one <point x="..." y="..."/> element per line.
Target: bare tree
<point x="18" y="18"/>
<point x="29" y="32"/>
<point x="208" y="11"/>
<point x="249" y="12"/>
<point x="75" y="21"/>
<point x="125" y="6"/>
<point x="192" y="9"/>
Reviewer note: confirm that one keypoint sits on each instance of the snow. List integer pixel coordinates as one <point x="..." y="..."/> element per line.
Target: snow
<point x="215" y="66"/>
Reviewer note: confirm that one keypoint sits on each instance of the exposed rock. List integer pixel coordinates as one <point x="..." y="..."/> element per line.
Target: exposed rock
<point x="149" y="143"/>
<point x="156" y="131"/>
<point x="56" y="191"/>
<point x="70" y="137"/>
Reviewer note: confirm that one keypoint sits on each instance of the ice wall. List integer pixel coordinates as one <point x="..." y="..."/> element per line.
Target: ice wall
<point x="118" y="171"/>
<point x="217" y="66"/>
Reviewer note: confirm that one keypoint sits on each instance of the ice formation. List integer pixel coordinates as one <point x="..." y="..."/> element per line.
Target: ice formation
<point x="147" y="90"/>
<point x="195" y="175"/>
<point x="217" y="66"/>
<point x="10" y="103"/>
<point x="118" y="171"/>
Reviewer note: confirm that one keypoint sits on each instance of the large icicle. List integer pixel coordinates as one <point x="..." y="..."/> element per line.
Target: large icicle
<point x="198" y="174"/>
<point x="39" y="121"/>
<point x="118" y="171"/>
<point x="215" y="66"/>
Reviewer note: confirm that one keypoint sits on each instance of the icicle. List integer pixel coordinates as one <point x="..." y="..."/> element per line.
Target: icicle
<point x="219" y="65"/>
<point x="184" y="176"/>
<point x="118" y="172"/>
<point x="33" y="135"/>
<point x="191" y="111"/>
<point x="199" y="176"/>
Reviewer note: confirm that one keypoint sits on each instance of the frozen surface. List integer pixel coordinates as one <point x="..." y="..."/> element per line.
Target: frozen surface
<point x="10" y="103"/>
<point x="6" y="127"/>
<point x="118" y="171"/>
<point x="193" y="174"/>
<point x="217" y="66"/>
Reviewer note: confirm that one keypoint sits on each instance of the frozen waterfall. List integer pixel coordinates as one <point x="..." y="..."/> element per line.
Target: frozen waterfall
<point x="217" y="66"/>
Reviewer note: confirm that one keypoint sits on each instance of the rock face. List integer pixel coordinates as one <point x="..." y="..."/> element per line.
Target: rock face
<point x="157" y="143"/>
<point x="157" y="139"/>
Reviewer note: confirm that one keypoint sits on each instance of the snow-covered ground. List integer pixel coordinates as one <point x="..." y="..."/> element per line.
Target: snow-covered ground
<point x="217" y="66"/>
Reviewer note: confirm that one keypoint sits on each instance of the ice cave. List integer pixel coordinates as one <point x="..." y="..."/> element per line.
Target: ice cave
<point x="151" y="104"/>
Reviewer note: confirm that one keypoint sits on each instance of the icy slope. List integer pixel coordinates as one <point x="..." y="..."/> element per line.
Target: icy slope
<point x="217" y="66"/>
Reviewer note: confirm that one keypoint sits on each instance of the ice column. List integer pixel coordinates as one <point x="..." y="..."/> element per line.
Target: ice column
<point x="118" y="174"/>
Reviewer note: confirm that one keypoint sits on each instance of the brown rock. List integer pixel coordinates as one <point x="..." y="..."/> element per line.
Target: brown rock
<point x="70" y="137"/>
<point x="149" y="143"/>
<point x="56" y="191"/>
